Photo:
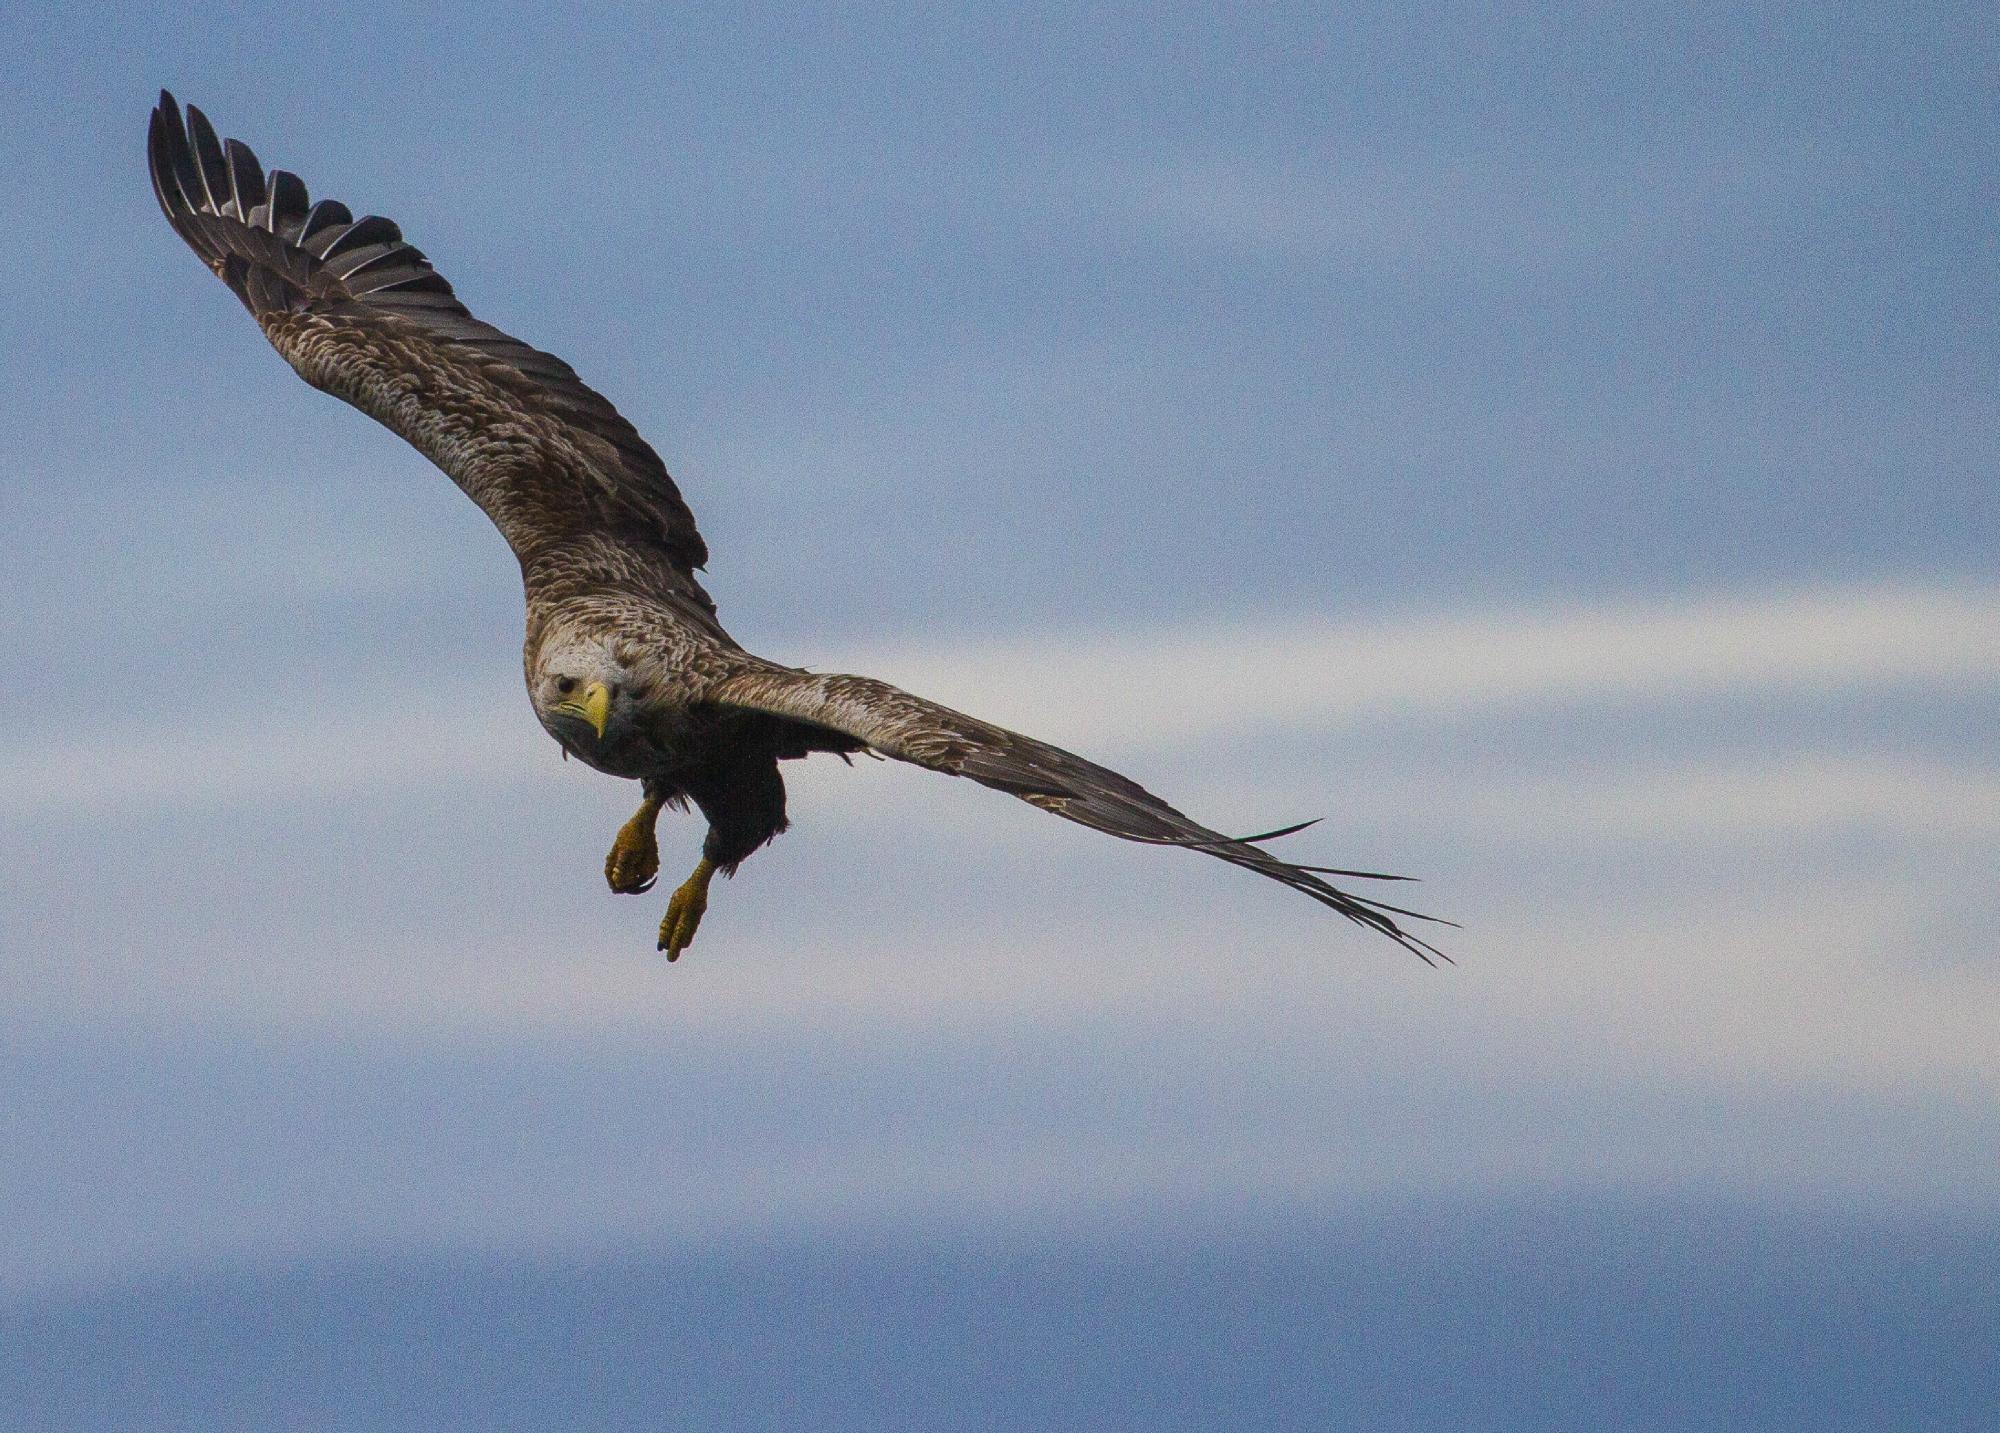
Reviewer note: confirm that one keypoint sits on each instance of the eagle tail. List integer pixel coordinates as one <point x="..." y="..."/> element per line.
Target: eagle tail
<point x="897" y="724"/>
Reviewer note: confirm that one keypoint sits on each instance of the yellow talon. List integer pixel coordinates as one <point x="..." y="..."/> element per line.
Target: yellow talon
<point x="685" y="909"/>
<point x="634" y="862"/>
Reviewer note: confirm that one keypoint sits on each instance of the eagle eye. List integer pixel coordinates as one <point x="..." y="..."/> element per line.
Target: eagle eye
<point x="565" y="685"/>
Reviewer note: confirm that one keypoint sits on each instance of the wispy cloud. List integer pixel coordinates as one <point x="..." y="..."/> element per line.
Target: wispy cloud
<point x="1775" y="1048"/>
<point x="1730" y="800"/>
<point x="1705" y="969"/>
<point x="1199" y="681"/>
<point x="1738" y="799"/>
<point x="1801" y="977"/>
<point x="258" y="747"/>
<point x="1679" y="991"/>
<point x="1115" y="692"/>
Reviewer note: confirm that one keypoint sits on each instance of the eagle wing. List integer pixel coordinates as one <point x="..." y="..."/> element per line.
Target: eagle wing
<point x="360" y="313"/>
<point x="897" y="724"/>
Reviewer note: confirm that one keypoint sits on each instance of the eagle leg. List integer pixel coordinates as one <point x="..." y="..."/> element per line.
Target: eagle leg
<point x="684" y="910"/>
<point x="634" y="862"/>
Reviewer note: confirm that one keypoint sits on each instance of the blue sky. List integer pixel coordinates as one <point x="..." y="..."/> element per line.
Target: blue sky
<point x="1557" y="446"/>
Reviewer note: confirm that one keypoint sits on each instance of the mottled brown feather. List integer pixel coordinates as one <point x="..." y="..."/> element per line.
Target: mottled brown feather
<point x="910" y="728"/>
<point x="363" y="315"/>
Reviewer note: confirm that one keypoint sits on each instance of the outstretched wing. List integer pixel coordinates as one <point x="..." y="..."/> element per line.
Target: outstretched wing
<point x="362" y="314"/>
<point x="895" y="723"/>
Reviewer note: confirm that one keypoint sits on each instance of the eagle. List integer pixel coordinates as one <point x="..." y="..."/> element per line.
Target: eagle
<point x="627" y="665"/>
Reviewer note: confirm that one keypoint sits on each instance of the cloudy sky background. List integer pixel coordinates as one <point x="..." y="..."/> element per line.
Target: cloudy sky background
<point x="1557" y="447"/>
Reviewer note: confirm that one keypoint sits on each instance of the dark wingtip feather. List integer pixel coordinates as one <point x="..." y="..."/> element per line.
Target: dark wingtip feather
<point x="1402" y="911"/>
<point x="289" y="205"/>
<point x="157" y="161"/>
<point x="211" y="168"/>
<point x="324" y="217"/>
<point x="1281" y="831"/>
<point x="246" y="177"/>
<point x="1357" y="875"/>
<point x="173" y="165"/>
<point x="1207" y="842"/>
<point x="176" y="179"/>
<point x="369" y="229"/>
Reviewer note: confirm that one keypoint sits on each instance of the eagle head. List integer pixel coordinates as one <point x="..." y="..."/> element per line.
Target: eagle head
<point x="586" y="697"/>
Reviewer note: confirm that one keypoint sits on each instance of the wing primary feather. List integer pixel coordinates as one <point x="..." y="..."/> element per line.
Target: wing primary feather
<point x="349" y="256"/>
<point x="1281" y="831"/>
<point x="289" y="205"/>
<point x="189" y="185"/>
<point x="325" y="216"/>
<point x="370" y="229"/>
<point x="160" y="166"/>
<point x="426" y="286"/>
<point x="1357" y="875"/>
<point x="214" y="169"/>
<point x="1374" y="904"/>
<point x="1257" y="840"/>
<point x="246" y="178"/>
<point x="355" y="265"/>
<point x="178" y="184"/>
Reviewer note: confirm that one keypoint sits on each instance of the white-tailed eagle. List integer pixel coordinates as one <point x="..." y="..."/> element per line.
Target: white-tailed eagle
<point x="626" y="664"/>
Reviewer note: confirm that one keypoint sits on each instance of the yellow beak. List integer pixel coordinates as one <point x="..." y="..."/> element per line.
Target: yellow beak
<point x="592" y="704"/>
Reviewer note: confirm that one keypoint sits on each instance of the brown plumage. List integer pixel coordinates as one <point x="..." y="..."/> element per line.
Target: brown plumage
<point x="626" y="663"/>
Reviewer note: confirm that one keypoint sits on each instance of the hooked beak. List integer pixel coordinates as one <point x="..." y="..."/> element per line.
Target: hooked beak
<point x="591" y="705"/>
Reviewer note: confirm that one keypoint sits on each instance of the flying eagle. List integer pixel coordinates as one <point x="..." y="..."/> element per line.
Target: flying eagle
<point x="627" y="666"/>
